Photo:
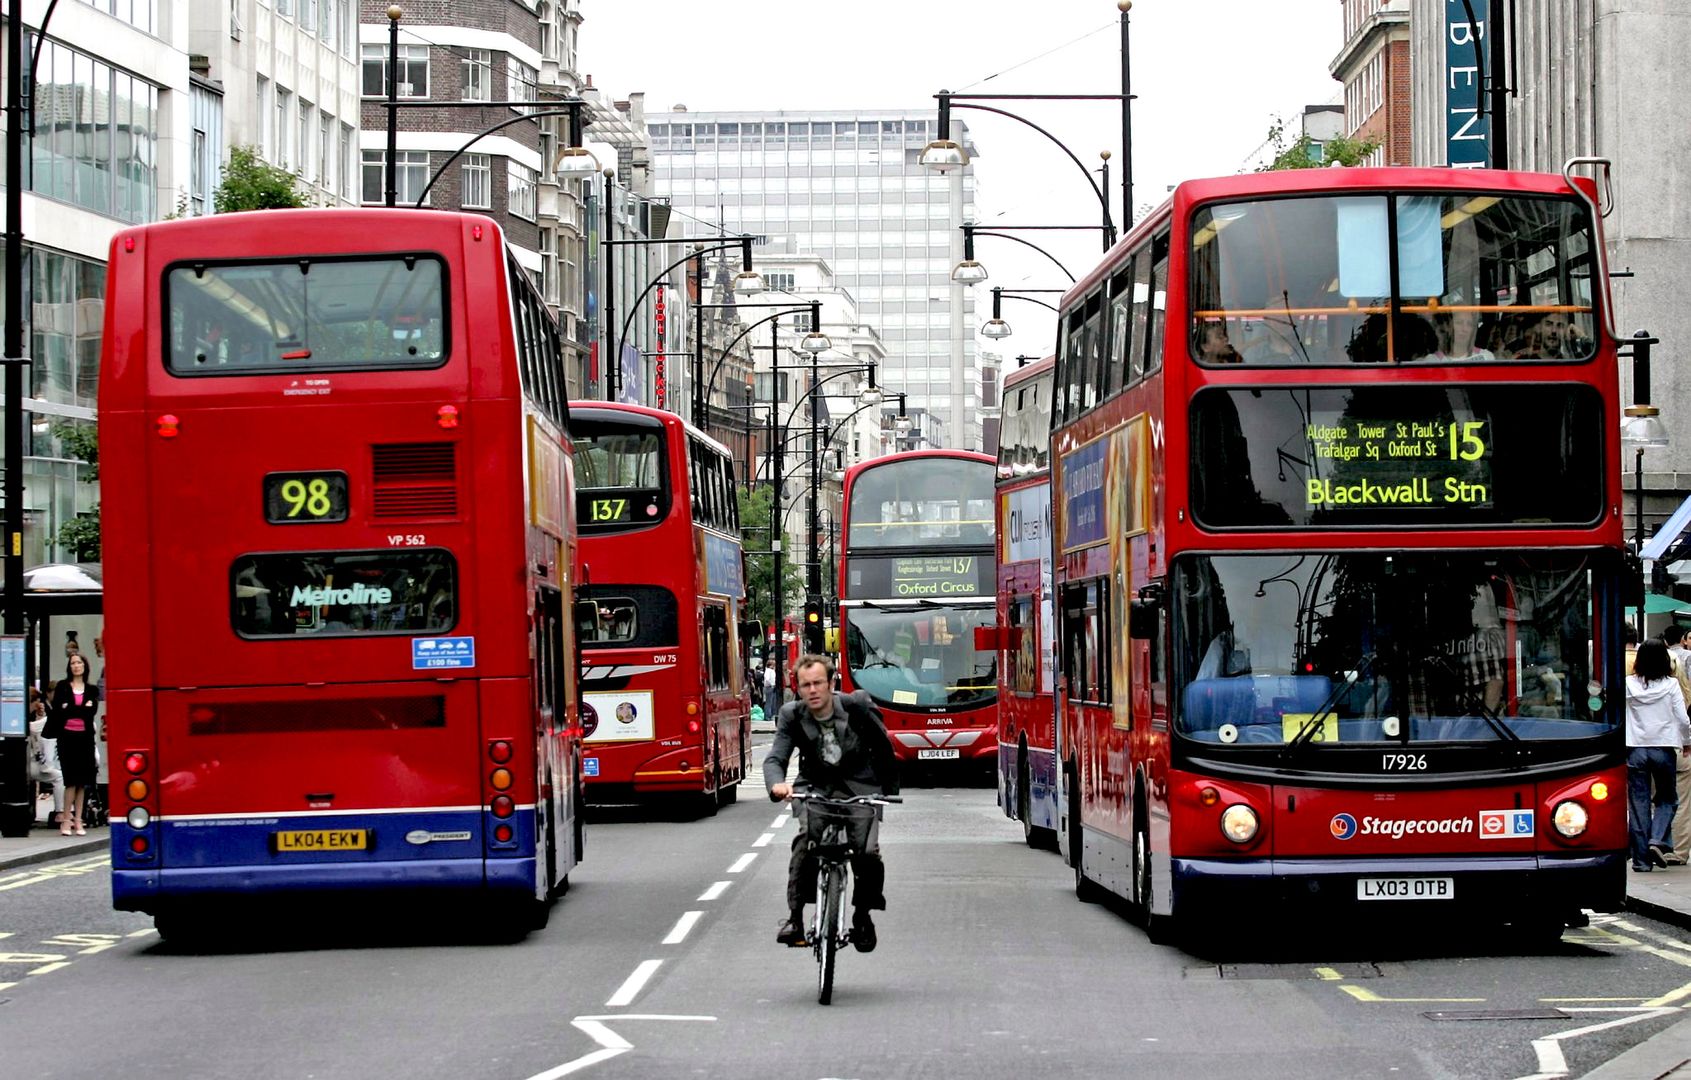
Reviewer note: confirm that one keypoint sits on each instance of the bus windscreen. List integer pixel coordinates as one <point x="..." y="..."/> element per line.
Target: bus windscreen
<point x="352" y="314"/>
<point x="1403" y="456"/>
<point x="620" y="477"/>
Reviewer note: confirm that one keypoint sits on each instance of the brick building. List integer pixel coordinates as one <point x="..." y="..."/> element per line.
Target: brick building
<point x="1373" y="65"/>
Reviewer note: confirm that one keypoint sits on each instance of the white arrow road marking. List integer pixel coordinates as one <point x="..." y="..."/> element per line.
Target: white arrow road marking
<point x="610" y="1043"/>
<point x="715" y="891"/>
<point x="631" y="987"/>
<point x="1553" y="1065"/>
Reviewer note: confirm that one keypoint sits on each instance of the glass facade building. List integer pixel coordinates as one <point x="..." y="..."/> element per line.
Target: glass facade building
<point x="846" y="186"/>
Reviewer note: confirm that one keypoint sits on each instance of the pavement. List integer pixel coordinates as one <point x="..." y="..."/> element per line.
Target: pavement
<point x="44" y="843"/>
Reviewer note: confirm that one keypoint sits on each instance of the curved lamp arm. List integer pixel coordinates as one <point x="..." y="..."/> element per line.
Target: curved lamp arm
<point x="1103" y="200"/>
<point x="477" y="137"/>
<point x="984" y="230"/>
<point x="634" y="308"/>
<point x="869" y="367"/>
<point x="704" y="398"/>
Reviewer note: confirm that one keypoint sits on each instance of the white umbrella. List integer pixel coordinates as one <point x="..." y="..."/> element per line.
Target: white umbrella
<point x="62" y="577"/>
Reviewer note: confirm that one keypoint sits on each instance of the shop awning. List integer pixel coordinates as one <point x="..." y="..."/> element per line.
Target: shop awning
<point x="1669" y="534"/>
<point x="1657" y="604"/>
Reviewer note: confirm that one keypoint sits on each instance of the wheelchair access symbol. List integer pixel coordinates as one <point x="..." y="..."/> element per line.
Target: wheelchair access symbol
<point x="1505" y="824"/>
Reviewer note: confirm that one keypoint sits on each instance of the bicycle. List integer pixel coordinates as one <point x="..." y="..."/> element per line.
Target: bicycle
<point x="835" y="829"/>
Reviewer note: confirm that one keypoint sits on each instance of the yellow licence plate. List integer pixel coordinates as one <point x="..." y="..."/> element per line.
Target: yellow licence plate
<point x="322" y="840"/>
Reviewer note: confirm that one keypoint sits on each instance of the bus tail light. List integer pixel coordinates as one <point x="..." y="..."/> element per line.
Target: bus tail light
<point x="692" y="727"/>
<point x="502" y="833"/>
<point x="502" y="806"/>
<point x="135" y="762"/>
<point x="169" y="426"/>
<point x="499" y="751"/>
<point x="692" y="708"/>
<point x="447" y="416"/>
<point x="500" y="779"/>
<point x="138" y="844"/>
<point x="136" y="790"/>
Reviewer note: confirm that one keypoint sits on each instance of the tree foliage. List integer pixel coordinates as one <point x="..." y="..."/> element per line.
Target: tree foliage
<point x="1300" y="153"/>
<point x="81" y="534"/>
<point x="82" y="442"/>
<point x="760" y="568"/>
<point x="251" y="183"/>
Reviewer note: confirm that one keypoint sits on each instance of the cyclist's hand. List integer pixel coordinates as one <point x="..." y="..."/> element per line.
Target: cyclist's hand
<point x="780" y="791"/>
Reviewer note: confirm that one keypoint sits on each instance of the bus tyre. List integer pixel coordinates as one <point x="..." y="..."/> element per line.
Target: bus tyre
<point x="1139" y="904"/>
<point x="1034" y="836"/>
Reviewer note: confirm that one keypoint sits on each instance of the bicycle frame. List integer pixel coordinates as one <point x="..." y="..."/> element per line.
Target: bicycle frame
<point x="828" y="933"/>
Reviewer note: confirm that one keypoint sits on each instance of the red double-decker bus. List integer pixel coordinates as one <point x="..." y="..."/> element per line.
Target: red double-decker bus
<point x="665" y="704"/>
<point x="916" y="582"/>
<point x="1027" y="747"/>
<point x="339" y="549"/>
<point x="1339" y="577"/>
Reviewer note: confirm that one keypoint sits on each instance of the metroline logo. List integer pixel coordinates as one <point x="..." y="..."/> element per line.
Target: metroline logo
<point x="1344" y="826"/>
<point x="358" y="594"/>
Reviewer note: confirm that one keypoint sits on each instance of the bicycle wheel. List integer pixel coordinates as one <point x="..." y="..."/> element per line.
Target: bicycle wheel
<point x="832" y="879"/>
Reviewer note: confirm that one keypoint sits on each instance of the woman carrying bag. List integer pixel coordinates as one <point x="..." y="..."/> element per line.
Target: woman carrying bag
<point x="70" y="720"/>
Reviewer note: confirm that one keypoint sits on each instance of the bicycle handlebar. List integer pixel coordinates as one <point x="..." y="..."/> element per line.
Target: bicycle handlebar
<point x="867" y="800"/>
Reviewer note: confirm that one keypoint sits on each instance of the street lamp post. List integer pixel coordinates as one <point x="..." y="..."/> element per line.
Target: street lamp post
<point x="1641" y="430"/>
<point x="971" y="272"/>
<point x="392" y="194"/>
<point x="701" y="393"/>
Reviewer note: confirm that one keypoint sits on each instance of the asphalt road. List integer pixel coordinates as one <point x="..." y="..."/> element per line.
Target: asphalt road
<point x="988" y="968"/>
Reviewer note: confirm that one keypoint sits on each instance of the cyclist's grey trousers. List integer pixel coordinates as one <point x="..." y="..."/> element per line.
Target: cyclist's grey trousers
<point x="867" y="869"/>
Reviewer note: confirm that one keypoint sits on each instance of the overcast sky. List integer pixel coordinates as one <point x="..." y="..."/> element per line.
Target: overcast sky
<point x="1210" y="76"/>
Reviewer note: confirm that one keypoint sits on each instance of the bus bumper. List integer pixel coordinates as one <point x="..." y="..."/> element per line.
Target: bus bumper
<point x="1504" y="886"/>
<point x="147" y="890"/>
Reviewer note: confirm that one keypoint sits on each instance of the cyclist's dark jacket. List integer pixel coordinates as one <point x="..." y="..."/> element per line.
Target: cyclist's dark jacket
<point x="866" y="765"/>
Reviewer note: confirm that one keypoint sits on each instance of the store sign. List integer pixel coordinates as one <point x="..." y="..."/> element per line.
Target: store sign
<point x="1466" y="132"/>
<point x="660" y="379"/>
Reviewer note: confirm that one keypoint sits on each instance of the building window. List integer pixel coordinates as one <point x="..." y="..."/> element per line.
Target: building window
<point x="284" y="130"/>
<point x="778" y="281"/>
<point x="477" y="73"/>
<point x="141" y="14"/>
<point x="326" y="21"/>
<point x="519" y="80"/>
<point x="411" y="174"/>
<point x="308" y="15"/>
<point x="307" y="122"/>
<point x="549" y="265"/>
<point x="477" y="180"/>
<point x="344" y="177"/>
<point x="325" y="147"/>
<point x="413" y="71"/>
<point x="520" y="183"/>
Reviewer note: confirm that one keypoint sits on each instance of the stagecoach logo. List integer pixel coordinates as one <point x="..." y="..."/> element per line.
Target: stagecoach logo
<point x="1344" y="826"/>
<point x="358" y="594"/>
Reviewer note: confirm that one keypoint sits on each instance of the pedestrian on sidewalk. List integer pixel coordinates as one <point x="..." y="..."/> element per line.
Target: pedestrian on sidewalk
<point x="1674" y="638"/>
<point x="44" y="756"/>
<point x="1658" y="729"/>
<point x="70" y="719"/>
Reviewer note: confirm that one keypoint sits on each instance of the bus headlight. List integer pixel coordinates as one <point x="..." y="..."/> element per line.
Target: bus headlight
<point x="1239" y="823"/>
<point x="1570" y="818"/>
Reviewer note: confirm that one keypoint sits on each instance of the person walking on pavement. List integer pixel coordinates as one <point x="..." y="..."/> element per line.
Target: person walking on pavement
<point x="844" y="750"/>
<point x="771" y="697"/>
<point x="1674" y="638"/>
<point x="70" y="720"/>
<point x="1658" y="729"/>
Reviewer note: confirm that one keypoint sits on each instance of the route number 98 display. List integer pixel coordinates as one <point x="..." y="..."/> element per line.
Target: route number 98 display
<point x="305" y="497"/>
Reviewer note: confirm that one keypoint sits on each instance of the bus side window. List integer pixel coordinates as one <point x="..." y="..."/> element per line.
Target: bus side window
<point x="1159" y="303"/>
<point x="1121" y="302"/>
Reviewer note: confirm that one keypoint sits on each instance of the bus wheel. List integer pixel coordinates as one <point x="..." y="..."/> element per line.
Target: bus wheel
<point x="1035" y="836"/>
<point x="1139" y="905"/>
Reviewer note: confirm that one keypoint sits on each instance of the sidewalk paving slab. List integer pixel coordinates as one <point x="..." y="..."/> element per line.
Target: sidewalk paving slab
<point x="43" y="844"/>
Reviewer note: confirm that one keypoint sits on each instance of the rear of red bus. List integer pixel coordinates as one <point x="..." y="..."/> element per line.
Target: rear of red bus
<point x="1024" y="638"/>
<point x="916" y="582"/>
<point x="327" y="566"/>
<point x="665" y="706"/>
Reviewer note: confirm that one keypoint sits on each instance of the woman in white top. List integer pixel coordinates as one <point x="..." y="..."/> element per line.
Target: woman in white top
<point x="1456" y="330"/>
<point x="1657" y="731"/>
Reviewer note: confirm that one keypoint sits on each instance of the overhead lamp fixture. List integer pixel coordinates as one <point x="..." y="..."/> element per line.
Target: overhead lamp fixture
<point x="815" y="341"/>
<point x="748" y="282"/>
<point x="996" y="328"/>
<point x="1643" y="428"/>
<point x="869" y="395"/>
<point x="943" y="155"/>
<point x="968" y="272"/>
<point x="901" y="425"/>
<point x="575" y="159"/>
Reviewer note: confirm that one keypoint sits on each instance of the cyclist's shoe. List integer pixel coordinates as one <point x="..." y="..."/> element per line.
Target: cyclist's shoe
<point x="792" y="931"/>
<point x="862" y="931"/>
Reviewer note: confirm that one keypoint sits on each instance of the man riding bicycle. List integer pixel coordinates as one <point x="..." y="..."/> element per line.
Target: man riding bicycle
<point x="843" y="750"/>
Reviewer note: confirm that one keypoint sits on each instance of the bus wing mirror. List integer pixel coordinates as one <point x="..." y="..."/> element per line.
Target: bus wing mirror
<point x="1142" y="612"/>
<point x="831" y="640"/>
<point x="986" y="639"/>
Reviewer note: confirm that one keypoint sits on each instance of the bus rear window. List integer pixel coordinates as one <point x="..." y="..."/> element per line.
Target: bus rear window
<point x="336" y="593"/>
<point x="620" y="478"/>
<point x="306" y="315"/>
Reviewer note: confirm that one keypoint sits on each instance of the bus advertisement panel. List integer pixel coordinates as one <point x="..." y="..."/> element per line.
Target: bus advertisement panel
<point x="666" y="705"/>
<point x="1326" y="630"/>
<point x="335" y="445"/>
<point x="917" y="581"/>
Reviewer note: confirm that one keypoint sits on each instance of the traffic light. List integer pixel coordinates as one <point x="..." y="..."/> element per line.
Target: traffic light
<point x="813" y="625"/>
